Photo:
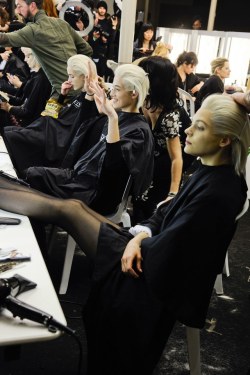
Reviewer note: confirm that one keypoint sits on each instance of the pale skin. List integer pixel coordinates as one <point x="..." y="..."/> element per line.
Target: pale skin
<point x="148" y="35"/>
<point x="124" y="100"/>
<point x="79" y="82"/>
<point x="224" y="71"/>
<point x="212" y="150"/>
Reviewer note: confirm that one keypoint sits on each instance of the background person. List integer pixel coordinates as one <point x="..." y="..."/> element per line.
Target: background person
<point x="197" y="23"/>
<point x="145" y="44"/>
<point x="186" y="63"/>
<point x="30" y="100"/>
<point x="164" y="116"/>
<point x="102" y="38"/>
<point x="215" y="83"/>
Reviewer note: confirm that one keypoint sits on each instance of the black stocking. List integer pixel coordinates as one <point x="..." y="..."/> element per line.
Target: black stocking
<point x="82" y="223"/>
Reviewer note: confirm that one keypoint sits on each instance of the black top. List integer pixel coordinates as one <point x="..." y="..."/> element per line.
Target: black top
<point x="31" y="98"/>
<point x="213" y="85"/>
<point x="191" y="235"/>
<point x="46" y="140"/>
<point x="191" y="81"/>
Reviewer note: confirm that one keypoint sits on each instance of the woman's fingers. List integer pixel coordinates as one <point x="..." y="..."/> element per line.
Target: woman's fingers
<point x="127" y="266"/>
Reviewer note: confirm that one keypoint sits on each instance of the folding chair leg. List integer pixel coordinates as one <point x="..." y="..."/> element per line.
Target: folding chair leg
<point x="70" y="250"/>
<point x="218" y="285"/>
<point x="226" y="266"/>
<point x="193" y="345"/>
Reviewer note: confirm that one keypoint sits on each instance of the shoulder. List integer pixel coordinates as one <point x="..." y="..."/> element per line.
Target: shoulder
<point x="170" y="118"/>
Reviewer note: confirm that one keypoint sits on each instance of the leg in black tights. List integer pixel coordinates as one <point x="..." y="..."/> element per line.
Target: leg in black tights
<point x="82" y="223"/>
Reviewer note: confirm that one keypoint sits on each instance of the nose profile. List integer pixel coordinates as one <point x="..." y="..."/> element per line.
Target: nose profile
<point x="187" y="131"/>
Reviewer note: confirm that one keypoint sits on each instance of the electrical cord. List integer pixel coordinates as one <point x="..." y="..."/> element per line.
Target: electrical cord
<point x="73" y="334"/>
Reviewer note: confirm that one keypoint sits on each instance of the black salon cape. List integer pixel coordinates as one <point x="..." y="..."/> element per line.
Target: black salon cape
<point x="127" y="320"/>
<point x="30" y="99"/>
<point x="82" y="180"/>
<point x="46" y="141"/>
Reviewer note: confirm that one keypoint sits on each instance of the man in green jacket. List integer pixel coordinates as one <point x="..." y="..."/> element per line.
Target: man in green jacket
<point x="53" y="41"/>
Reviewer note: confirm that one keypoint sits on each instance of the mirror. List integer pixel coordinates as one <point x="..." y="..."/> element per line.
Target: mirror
<point x="72" y="11"/>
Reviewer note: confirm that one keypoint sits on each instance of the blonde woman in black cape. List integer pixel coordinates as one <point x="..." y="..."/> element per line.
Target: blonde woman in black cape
<point x="163" y="270"/>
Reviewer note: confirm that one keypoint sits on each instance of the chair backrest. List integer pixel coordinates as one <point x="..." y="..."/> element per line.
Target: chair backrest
<point x="116" y="217"/>
<point x="244" y="209"/>
<point x="185" y="96"/>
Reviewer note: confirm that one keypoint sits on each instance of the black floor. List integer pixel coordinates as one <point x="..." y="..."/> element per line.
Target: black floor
<point x="225" y="345"/>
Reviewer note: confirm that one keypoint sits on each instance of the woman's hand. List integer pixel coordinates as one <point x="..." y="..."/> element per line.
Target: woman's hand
<point x="243" y="99"/>
<point x="14" y="80"/>
<point x="66" y="87"/>
<point x="132" y="257"/>
<point x="196" y="87"/>
<point x="103" y="104"/>
<point x="5" y="106"/>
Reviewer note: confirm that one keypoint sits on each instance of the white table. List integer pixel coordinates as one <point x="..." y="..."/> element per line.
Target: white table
<point x="13" y="331"/>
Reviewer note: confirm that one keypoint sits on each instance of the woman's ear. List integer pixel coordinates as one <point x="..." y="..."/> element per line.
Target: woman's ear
<point x="134" y="94"/>
<point x="225" y="141"/>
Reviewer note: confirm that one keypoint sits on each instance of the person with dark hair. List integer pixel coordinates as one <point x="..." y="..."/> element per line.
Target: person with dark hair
<point x="145" y="43"/>
<point x="166" y="119"/>
<point x="4" y="20"/>
<point x="188" y="80"/>
<point x="52" y="40"/>
<point x="162" y="271"/>
<point x="197" y="23"/>
<point x="102" y="38"/>
<point x="220" y="70"/>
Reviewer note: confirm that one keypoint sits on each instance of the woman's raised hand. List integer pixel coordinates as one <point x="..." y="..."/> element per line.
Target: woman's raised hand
<point x="66" y="87"/>
<point x="103" y="104"/>
<point x="243" y="99"/>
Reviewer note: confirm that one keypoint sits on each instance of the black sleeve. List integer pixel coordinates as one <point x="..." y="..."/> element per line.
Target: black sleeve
<point x="155" y="221"/>
<point x="88" y="109"/>
<point x="113" y="157"/>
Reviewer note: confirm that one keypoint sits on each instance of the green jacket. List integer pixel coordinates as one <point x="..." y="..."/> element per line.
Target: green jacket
<point x="53" y="41"/>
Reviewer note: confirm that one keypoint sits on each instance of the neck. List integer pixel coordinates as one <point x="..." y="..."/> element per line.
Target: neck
<point x="181" y="72"/>
<point x="220" y="158"/>
<point x="152" y="116"/>
<point x="219" y="76"/>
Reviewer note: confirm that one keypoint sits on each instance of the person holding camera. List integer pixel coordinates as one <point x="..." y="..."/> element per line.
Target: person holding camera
<point x="102" y="37"/>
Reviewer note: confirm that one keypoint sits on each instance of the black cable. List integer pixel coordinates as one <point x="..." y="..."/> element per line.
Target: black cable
<point x="73" y="334"/>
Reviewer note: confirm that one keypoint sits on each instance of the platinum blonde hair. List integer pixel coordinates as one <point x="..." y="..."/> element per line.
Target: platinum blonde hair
<point x="33" y="61"/>
<point x="134" y="78"/>
<point x="231" y="120"/>
<point x="80" y="65"/>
